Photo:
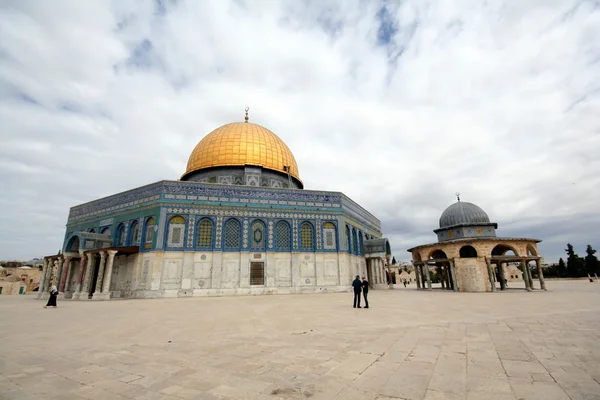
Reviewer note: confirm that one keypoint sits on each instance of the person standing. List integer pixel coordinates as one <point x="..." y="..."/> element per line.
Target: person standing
<point x="52" y="299"/>
<point x="365" y="290"/>
<point x="357" y="285"/>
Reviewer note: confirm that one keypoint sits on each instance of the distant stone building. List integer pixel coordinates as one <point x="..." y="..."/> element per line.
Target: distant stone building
<point x="11" y="282"/>
<point x="470" y="258"/>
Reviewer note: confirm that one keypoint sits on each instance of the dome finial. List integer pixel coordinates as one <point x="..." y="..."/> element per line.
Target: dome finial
<point x="457" y="196"/>
<point x="246" y="119"/>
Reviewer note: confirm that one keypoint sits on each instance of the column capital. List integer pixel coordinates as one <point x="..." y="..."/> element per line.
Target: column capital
<point x="102" y="254"/>
<point x="112" y="252"/>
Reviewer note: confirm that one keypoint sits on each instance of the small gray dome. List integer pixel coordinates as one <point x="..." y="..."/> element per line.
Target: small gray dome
<point x="463" y="213"/>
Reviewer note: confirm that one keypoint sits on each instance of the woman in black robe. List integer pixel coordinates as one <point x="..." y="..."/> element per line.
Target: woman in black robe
<point x="52" y="299"/>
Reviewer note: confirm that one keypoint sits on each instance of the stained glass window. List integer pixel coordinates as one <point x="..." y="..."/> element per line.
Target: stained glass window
<point x="176" y="232"/>
<point x="205" y="233"/>
<point x="348" y="239"/>
<point x="257" y="236"/>
<point x="306" y="236"/>
<point x="135" y="233"/>
<point x="282" y="232"/>
<point x="121" y="235"/>
<point x="329" y="236"/>
<point x="361" y="245"/>
<point x="232" y="234"/>
<point x="149" y="233"/>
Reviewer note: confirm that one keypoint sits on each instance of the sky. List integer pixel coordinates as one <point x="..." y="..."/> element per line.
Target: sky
<point x="399" y="105"/>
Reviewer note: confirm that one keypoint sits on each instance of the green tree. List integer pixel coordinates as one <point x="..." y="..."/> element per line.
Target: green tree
<point x="393" y="260"/>
<point x="561" y="268"/>
<point x="575" y="264"/>
<point x="592" y="265"/>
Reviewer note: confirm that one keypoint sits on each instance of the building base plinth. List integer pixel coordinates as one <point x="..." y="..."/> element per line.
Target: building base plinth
<point x="101" y="296"/>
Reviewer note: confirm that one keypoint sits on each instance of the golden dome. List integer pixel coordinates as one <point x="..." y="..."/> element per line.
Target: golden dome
<point x="241" y="144"/>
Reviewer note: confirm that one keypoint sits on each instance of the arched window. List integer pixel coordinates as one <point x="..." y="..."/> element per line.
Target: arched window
<point x="135" y="232"/>
<point x="149" y="231"/>
<point x="91" y="230"/>
<point x="354" y="242"/>
<point x="257" y="236"/>
<point x="205" y="233"/>
<point x="105" y="231"/>
<point x="176" y="232"/>
<point x="232" y="234"/>
<point x="329" y="236"/>
<point x="307" y="241"/>
<point x="73" y="244"/>
<point x="348" y="239"/>
<point x="120" y="236"/>
<point x="468" y="252"/>
<point x="361" y="243"/>
<point x="283" y="236"/>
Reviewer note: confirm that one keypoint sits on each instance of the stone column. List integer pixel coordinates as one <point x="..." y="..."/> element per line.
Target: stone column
<point x="59" y="268"/>
<point x="42" y="279"/>
<point x="427" y="276"/>
<point x="538" y="264"/>
<point x="526" y="275"/>
<point x="63" y="274"/>
<point x="529" y="275"/>
<point x="453" y="274"/>
<point x="108" y="272"/>
<point x="491" y="274"/>
<point x="85" y="285"/>
<point x="80" y="275"/>
<point x="98" y="289"/>
<point x="502" y="276"/>
<point x="417" y="277"/>
<point x="68" y="274"/>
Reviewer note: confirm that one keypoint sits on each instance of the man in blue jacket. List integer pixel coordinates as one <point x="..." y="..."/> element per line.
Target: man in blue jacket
<point x="357" y="285"/>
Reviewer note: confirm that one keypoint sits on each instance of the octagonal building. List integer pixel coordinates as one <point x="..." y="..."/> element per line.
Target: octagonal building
<point x="469" y="257"/>
<point x="237" y="222"/>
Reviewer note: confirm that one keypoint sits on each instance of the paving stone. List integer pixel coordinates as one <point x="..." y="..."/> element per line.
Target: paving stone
<point x="478" y="346"/>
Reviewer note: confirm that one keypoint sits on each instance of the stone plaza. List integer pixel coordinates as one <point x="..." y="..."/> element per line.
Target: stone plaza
<point x="409" y="345"/>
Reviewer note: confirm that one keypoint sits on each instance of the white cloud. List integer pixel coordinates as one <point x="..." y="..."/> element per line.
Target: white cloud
<point x="498" y="102"/>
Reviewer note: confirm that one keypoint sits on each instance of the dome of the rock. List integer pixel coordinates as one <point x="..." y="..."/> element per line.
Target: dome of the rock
<point x="241" y="144"/>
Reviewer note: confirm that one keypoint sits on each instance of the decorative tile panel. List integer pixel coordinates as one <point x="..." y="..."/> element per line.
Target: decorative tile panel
<point x="318" y="228"/>
<point x="270" y="234"/>
<point x="295" y="233"/>
<point x="245" y="234"/>
<point x="191" y="230"/>
<point x="219" y="230"/>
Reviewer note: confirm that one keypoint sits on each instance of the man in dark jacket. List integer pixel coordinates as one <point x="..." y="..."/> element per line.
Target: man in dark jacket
<point x="365" y="289"/>
<point x="357" y="284"/>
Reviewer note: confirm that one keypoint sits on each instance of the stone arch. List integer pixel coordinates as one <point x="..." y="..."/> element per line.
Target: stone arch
<point x="72" y="244"/>
<point x="468" y="251"/>
<point x="531" y="250"/>
<point x="416" y="256"/>
<point x="502" y="249"/>
<point x="437" y="253"/>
